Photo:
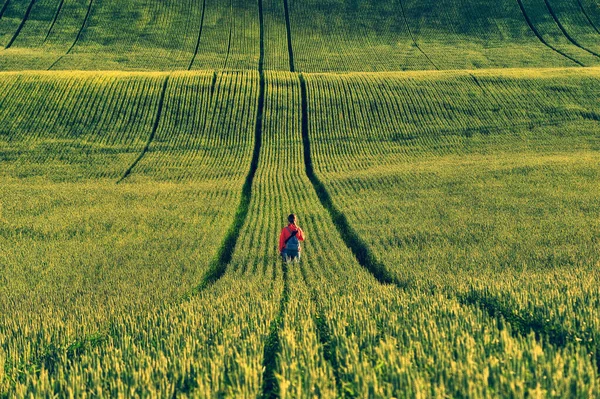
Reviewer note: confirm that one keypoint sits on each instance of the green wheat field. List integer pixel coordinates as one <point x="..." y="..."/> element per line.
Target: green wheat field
<point x="442" y="156"/>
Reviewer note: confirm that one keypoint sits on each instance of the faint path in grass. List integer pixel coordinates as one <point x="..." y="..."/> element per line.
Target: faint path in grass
<point x="21" y="25"/>
<point x="83" y="25"/>
<point x="565" y="32"/>
<point x="540" y="37"/>
<point x="199" y="36"/>
<point x="152" y="133"/>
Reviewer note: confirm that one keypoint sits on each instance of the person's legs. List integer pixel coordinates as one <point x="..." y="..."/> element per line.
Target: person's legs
<point x="289" y="256"/>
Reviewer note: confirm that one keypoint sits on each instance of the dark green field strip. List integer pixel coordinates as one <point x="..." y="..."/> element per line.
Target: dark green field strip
<point x="152" y="134"/>
<point x="327" y="36"/>
<point x="447" y="34"/>
<point x="476" y="34"/>
<point x="541" y="38"/>
<point x="232" y="36"/>
<point x="587" y="16"/>
<point x="21" y="25"/>
<point x="577" y="24"/>
<point x="4" y="7"/>
<point x="277" y="55"/>
<point x="592" y="9"/>
<point x="412" y="37"/>
<point x="199" y="35"/>
<point x="550" y="28"/>
<point x="288" y="29"/>
<point x="335" y="37"/>
<point x="565" y="32"/>
<point x="11" y="15"/>
<point x="56" y="14"/>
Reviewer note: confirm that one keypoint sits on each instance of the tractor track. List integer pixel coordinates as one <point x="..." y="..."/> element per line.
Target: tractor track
<point x="272" y="348"/>
<point x="84" y="23"/>
<point x="58" y="9"/>
<point x="587" y="16"/>
<point x="412" y="37"/>
<point x="152" y="133"/>
<point x="520" y="325"/>
<point x="230" y="35"/>
<point x="4" y="7"/>
<point x="541" y="38"/>
<point x="361" y="251"/>
<point x="219" y="265"/>
<point x="288" y="28"/>
<point x="21" y="25"/>
<point x="564" y="30"/>
<point x="199" y="36"/>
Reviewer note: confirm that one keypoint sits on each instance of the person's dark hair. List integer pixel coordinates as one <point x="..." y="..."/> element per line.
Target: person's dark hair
<point x="292" y="218"/>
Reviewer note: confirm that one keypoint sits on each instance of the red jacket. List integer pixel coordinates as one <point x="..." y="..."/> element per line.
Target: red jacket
<point x="285" y="234"/>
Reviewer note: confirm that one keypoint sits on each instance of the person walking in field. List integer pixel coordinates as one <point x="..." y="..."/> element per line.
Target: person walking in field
<point x="289" y="240"/>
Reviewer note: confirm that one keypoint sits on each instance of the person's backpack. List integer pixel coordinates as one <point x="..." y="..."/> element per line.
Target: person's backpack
<point x="292" y="243"/>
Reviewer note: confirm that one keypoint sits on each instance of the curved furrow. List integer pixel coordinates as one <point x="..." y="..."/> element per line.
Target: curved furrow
<point x="4" y="7"/>
<point x="152" y="133"/>
<point x="541" y="38"/>
<point x="21" y="25"/>
<point x="363" y="254"/>
<point x="565" y="32"/>
<point x="83" y="25"/>
<point x="412" y="37"/>
<point x="199" y="36"/>
<point x="56" y="13"/>
<point x="587" y="16"/>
